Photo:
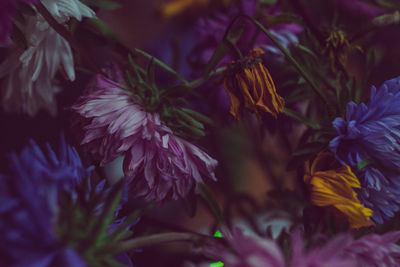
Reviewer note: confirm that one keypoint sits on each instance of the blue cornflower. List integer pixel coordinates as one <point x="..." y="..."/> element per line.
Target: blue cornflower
<point x="28" y="206"/>
<point x="370" y="134"/>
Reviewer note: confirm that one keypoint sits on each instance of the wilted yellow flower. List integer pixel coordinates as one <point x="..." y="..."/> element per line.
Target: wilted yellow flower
<point x="332" y="185"/>
<point x="337" y="46"/>
<point x="250" y="86"/>
<point x="173" y="8"/>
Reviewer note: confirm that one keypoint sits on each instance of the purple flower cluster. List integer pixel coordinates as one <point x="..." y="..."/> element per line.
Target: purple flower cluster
<point x="370" y="135"/>
<point x="158" y="165"/>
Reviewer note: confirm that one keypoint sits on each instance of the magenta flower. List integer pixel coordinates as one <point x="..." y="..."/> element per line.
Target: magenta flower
<point x="246" y="251"/>
<point x="375" y="250"/>
<point x="7" y="10"/>
<point x="329" y="255"/>
<point x="158" y="165"/>
<point x="369" y="251"/>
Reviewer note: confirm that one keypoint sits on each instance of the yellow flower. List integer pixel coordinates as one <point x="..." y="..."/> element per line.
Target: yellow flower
<point x="332" y="185"/>
<point x="169" y="9"/>
<point x="337" y="46"/>
<point x="249" y="85"/>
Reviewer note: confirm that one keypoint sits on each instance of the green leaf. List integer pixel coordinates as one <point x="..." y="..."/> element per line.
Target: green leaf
<point x="304" y="49"/>
<point x="362" y="164"/>
<point x="131" y="80"/>
<point x="136" y="68"/>
<point x="151" y="80"/>
<point x="223" y="47"/>
<point x="197" y="115"/>
<point x="104" y="29"/>
<point x="107" y="215"/>
<point x="185" y="116"/>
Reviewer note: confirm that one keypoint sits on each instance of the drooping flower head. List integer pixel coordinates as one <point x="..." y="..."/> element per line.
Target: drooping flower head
<point x="7" y="10"/>
<point x="158" y="165"/>
<point x="28" y="200"/>
<point x="333" y="185"/>
<point x="29" y="74"/>
<point x="250" y="86"/>
<point x="210" y="31"/>
<point x="370" y="135"/>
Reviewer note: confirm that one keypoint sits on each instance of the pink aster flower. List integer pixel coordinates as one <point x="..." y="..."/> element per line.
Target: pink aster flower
<point x="252" y="251"/>
<point x="375" y="250"/>
<point x="158" y="165"/>
<point x="369" y="251"/>
<point x="246" y="251"/>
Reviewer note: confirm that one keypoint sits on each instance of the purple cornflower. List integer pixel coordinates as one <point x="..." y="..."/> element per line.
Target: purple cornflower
<point x="370" y="135"/>
<point x="7" y="10"/>
<point x="158" y="165"/>
<point x="28" y="206"/>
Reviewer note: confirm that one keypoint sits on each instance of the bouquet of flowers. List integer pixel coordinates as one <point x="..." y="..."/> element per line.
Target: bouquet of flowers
<point x="240" y="133"/>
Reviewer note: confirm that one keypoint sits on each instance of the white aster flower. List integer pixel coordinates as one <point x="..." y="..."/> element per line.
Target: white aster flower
<point x="29" y="83"/>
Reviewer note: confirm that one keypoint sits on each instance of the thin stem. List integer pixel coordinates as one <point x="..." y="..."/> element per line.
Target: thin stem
<point x="283" y="50"/>
<point x="160" y="64"/>
<point x="141" y="242"/>
<point x="289" y="57"/>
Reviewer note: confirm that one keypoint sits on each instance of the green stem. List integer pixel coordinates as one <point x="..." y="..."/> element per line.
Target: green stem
<point x="202" y="80"/>
<point x="141" y="242"/>
<point x="289" y="57"/>
<point x="301" y="118"/>
<point x="160" y="64"/>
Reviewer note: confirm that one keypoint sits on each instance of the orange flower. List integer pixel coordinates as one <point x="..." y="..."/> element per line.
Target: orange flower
<point x="332" y="185"/>
<point x="169" y="9"/>
<point x="249" y="85"/>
